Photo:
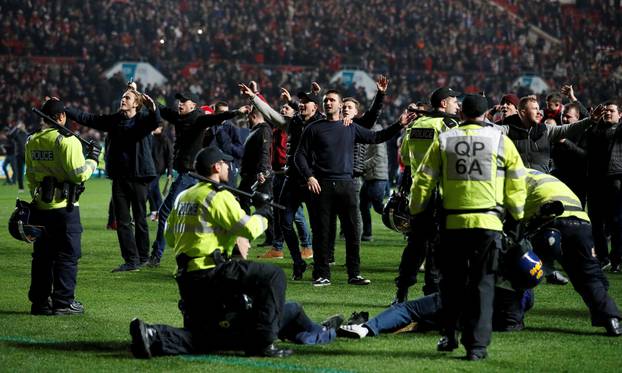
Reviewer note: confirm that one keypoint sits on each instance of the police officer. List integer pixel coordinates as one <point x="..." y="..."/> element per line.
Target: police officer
<point x="55" y="170"/>
<point x="203" y="227"/>
<point x="481" y="177"/>
<point x="418" y="138"/>
<point x="568" y="239"/>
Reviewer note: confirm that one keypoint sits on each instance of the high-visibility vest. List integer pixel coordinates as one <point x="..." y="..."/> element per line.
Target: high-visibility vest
<point x="419" y="136"/>
<point x="481" y="176"/>
<point x="204" y="220"/>
<point x="49" y="153"/>
<point x="543" y="188"/>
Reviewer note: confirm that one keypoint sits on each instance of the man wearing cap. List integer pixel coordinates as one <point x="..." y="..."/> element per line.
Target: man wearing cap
<point x="227" y="304"/>
<point x="482" y="177"/>
<point x="129" y="164"/>
<point x="418" y="138"/>
<point x="508" y="106"/>
<point x="54" y="161"/>
<point x="293" y="191"/>
<point x="190" y="123"/>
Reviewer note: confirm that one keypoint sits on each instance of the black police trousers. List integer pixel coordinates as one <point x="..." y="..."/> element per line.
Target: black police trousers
<point x="467" y="263"/>
<point x="206" y="293"/>
<point x="421" y="241"/>
<point x="55" y="257"/>
<point x="583" y="268"/>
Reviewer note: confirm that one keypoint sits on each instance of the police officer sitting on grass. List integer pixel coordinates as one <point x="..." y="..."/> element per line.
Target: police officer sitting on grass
<point x="226" y="304"/>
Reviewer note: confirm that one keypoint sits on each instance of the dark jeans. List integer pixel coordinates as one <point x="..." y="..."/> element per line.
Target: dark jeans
<point x="154" y="195"/>
<point x="20" y="162"/>
<point x="134" y="243"/>
<point x="10" y="160"/>
<point x="246" y="184"/>
<point x="583" y="269"/>
<point x="299" y="218"/>
<point x="372" y="195"/>
<point x="181" y="183"/>
<point x="422" y="242"/>
<point x="468" y="263"/>
<point x="55" y="257"/>
<point x="424" y="310"/>
<point x="338" y="197"/>
<point x="293" y="194"/>
<point x="605" y="211"/>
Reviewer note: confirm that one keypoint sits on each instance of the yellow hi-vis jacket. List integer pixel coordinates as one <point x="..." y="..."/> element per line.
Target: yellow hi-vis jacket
<point x="203" y="220"/>
<point x="543" y="188"/>
<point x="419" y="136"/>
<point x="49" y="153"/>
<point x="480" y="170"/>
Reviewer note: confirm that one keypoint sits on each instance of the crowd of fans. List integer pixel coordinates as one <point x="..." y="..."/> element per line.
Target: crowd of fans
<point x="210" y="46"/>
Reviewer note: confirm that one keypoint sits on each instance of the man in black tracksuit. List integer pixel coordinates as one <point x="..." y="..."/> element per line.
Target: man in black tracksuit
<point x="324" y="158"/>
<point x="130" y="166"/>
<point x="190" y="124"/>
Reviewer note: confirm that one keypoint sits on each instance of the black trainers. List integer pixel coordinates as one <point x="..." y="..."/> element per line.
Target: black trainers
<point x="143" y="336"/>
<point x="446" y="344"/>
<point x="333" y="322"/>
<point x="401" y="296"/>
<point x="126" y="267"/>
<point x="74" y="308"/>
<point x="41" y="309"/>
<point x="358" y="318"/>
<point x="154" y="261"/>
<point x="321" y="281"/>
<point x="476" y="355"/>
<point x="299" y="270"/>
<point x="358" y="280"/>
<point x="270" y="351"/>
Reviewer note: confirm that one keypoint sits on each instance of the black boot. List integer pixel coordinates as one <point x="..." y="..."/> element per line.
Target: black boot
<point x="143" y="337"/>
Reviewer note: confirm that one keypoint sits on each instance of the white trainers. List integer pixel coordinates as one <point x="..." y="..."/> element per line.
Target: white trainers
<point x="356" y="331"/>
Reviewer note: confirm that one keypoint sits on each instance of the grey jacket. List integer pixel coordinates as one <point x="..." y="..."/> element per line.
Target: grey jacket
<point x="376" y="162"/>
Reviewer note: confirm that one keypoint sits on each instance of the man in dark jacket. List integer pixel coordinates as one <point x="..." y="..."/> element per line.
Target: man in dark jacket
<point x="162" y="152"/>
<point x="226" y="136"/>
<point x="130" y="166"/>
<point x="18" y="135"/>
<point x="190" y="124"/>
<point x="604" y="190"/>
<point x="256" y="168"/>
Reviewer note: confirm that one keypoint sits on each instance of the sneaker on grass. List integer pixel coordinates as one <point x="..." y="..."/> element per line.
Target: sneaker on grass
<point x="356" y="331"/>
<point x="321" y="281"/>
<point x="272" y="254"/>
<point x="358" y="280"/>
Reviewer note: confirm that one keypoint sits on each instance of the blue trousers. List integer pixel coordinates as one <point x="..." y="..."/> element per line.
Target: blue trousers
<point x="181" y="183"/>
<point x="372" y="195"/>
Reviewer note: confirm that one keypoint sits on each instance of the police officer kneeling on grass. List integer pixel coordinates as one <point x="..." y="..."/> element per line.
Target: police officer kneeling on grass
<point x="481" y="176"/>
<point x="227" y="304"/>
<point x="56" y="169"/>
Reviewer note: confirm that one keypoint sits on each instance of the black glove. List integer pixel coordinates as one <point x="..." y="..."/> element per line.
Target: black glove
<point x="93" y="153"/>
<point x="261" y="201"/>
<point x="511" y="227"/>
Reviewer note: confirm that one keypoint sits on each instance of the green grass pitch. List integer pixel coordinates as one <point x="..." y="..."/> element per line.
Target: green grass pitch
<point x="558" y="336"/>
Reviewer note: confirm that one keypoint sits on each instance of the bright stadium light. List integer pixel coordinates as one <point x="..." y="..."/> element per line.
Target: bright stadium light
<point x="161" y="41"/>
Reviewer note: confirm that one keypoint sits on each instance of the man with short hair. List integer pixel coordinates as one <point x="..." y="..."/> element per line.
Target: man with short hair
<point x="323" y="158"/>
<point x="604" y="195"/>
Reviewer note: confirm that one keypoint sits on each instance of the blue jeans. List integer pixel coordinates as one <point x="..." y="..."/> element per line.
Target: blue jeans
<point x="421" y="310"/>
<point x="299" y="219"/>
<point x="181" y="183"/>
<point x="372" y="195"/>
<point x="154" y="196"/>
